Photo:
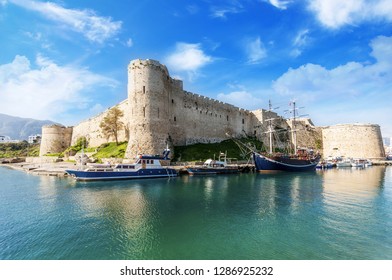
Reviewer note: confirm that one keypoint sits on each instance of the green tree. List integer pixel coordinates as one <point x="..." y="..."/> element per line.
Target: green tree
<point x="111" y="123"/>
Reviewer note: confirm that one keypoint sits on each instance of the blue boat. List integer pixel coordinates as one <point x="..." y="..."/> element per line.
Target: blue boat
<point x="283" y="163"/>
<point x="145" y="166"/>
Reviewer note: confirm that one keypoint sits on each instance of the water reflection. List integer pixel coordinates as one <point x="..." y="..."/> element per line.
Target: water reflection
<point x="321" y="215"/>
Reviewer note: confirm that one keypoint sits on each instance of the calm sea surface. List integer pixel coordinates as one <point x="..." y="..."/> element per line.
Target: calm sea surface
<point x="335" y="214"/>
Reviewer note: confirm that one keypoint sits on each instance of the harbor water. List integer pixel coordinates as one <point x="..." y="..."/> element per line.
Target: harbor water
<point x="334" y="214"/>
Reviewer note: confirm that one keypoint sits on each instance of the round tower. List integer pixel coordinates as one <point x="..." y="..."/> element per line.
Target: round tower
<point x="55" y="139"/>
<point x="149" y="86"/>
<point x="353" y="140"/>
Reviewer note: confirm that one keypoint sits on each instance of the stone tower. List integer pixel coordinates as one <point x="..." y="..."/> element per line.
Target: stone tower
<point x="149" y="89"/>
<point x="55" y="139"/>
<point x="353" y="140"/>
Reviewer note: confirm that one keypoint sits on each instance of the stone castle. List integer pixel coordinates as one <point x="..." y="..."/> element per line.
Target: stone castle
<point x="159" y="112"/>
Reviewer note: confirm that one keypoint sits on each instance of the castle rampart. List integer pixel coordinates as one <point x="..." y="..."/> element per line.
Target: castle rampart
<point x="353" y="140"/>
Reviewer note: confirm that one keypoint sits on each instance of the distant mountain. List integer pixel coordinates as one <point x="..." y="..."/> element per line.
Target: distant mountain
<point x="20" y="128"/>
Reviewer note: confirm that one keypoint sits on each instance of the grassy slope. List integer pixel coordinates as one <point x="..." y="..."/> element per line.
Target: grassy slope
<point x="109" y="150"/>
<point x="201" y="152"/>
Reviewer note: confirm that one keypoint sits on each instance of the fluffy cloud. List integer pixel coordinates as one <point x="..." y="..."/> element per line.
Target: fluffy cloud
<point x="360" y="87"/>
<point x="255" y="50"/>
<point x="242" y="99"/>
<point x="95" y="28"/>
<point x="187" y="58"/>
<point x="47" y="90"/>
<point x="353" y="78"/>
<point x="336" y="13"/>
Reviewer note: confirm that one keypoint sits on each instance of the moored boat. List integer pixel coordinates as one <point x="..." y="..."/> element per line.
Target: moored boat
<point x="325" y="164"/>
<point x="213" y="167"/>
<point x="284" y="163"/>
<point x="302" y="160"/>
<point x="145" y="166"/>
<point x="343" y="162"/>
<point x="358" y="162"/>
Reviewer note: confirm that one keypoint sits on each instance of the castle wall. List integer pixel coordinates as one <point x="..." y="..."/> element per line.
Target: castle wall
<point x="92" y="132"/>
<point x="353" y="140"/>
<point x="158" y="112"/>
<point x="199" y="119"/>
<point x="162" y="113"/>
<point x="55" y="139"/>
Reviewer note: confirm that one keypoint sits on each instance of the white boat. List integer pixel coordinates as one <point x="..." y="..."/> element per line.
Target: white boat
<point x="212" y="167"/>
<point x="368" y="163"/>
<point x="343" y="163"/>
<point x="358" y="162"/>
<point x="145" y="166"/>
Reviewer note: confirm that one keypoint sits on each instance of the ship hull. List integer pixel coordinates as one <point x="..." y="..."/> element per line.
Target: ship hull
<point x="81" y="175"/>
<point x="211" y="171"/>
<point x="263" y="163"/>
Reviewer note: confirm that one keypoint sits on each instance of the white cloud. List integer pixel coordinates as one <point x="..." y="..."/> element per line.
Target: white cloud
<point x="242" y="99"/>
<point x="336" y="13"/>
<point x="187" y="58"/>
<point x="222" y="12"/>
<point x="279" y="4"/>
<point x="47" y="90"/>
<point x="354" y="91"/>
<point x="255" y="50"/>
<point x="129" y="43"/>
<point x="300" y="42"/>
<point x="95" y="28"/>
<point x="301" y="39"/>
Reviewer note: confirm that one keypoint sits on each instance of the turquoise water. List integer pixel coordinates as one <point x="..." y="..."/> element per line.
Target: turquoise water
<point x="334" y="214"/>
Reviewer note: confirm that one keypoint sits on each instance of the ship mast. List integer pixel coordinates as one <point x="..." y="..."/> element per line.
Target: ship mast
<point x="270" y="128"/>
<point x="293" y="130"/>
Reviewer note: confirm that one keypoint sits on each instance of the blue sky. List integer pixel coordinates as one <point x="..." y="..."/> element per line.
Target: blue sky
<point x="67" y="60"/>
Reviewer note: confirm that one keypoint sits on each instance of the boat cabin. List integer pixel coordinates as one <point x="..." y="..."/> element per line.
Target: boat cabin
<point x="214" y="163"/>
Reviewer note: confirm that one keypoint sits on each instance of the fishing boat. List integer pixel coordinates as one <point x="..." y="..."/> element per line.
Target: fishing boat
<point x="302" y="160"/>
<point x="145" y="166"/>
<point x="343" y="162"/>
<point x="213" y="167"/>
<point x="325" y="164"/>
<point x="358" y="162"/>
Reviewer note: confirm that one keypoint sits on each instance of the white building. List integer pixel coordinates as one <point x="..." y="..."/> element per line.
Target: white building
<point x="7" y="139"/>
<point x="34" y="139"/>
